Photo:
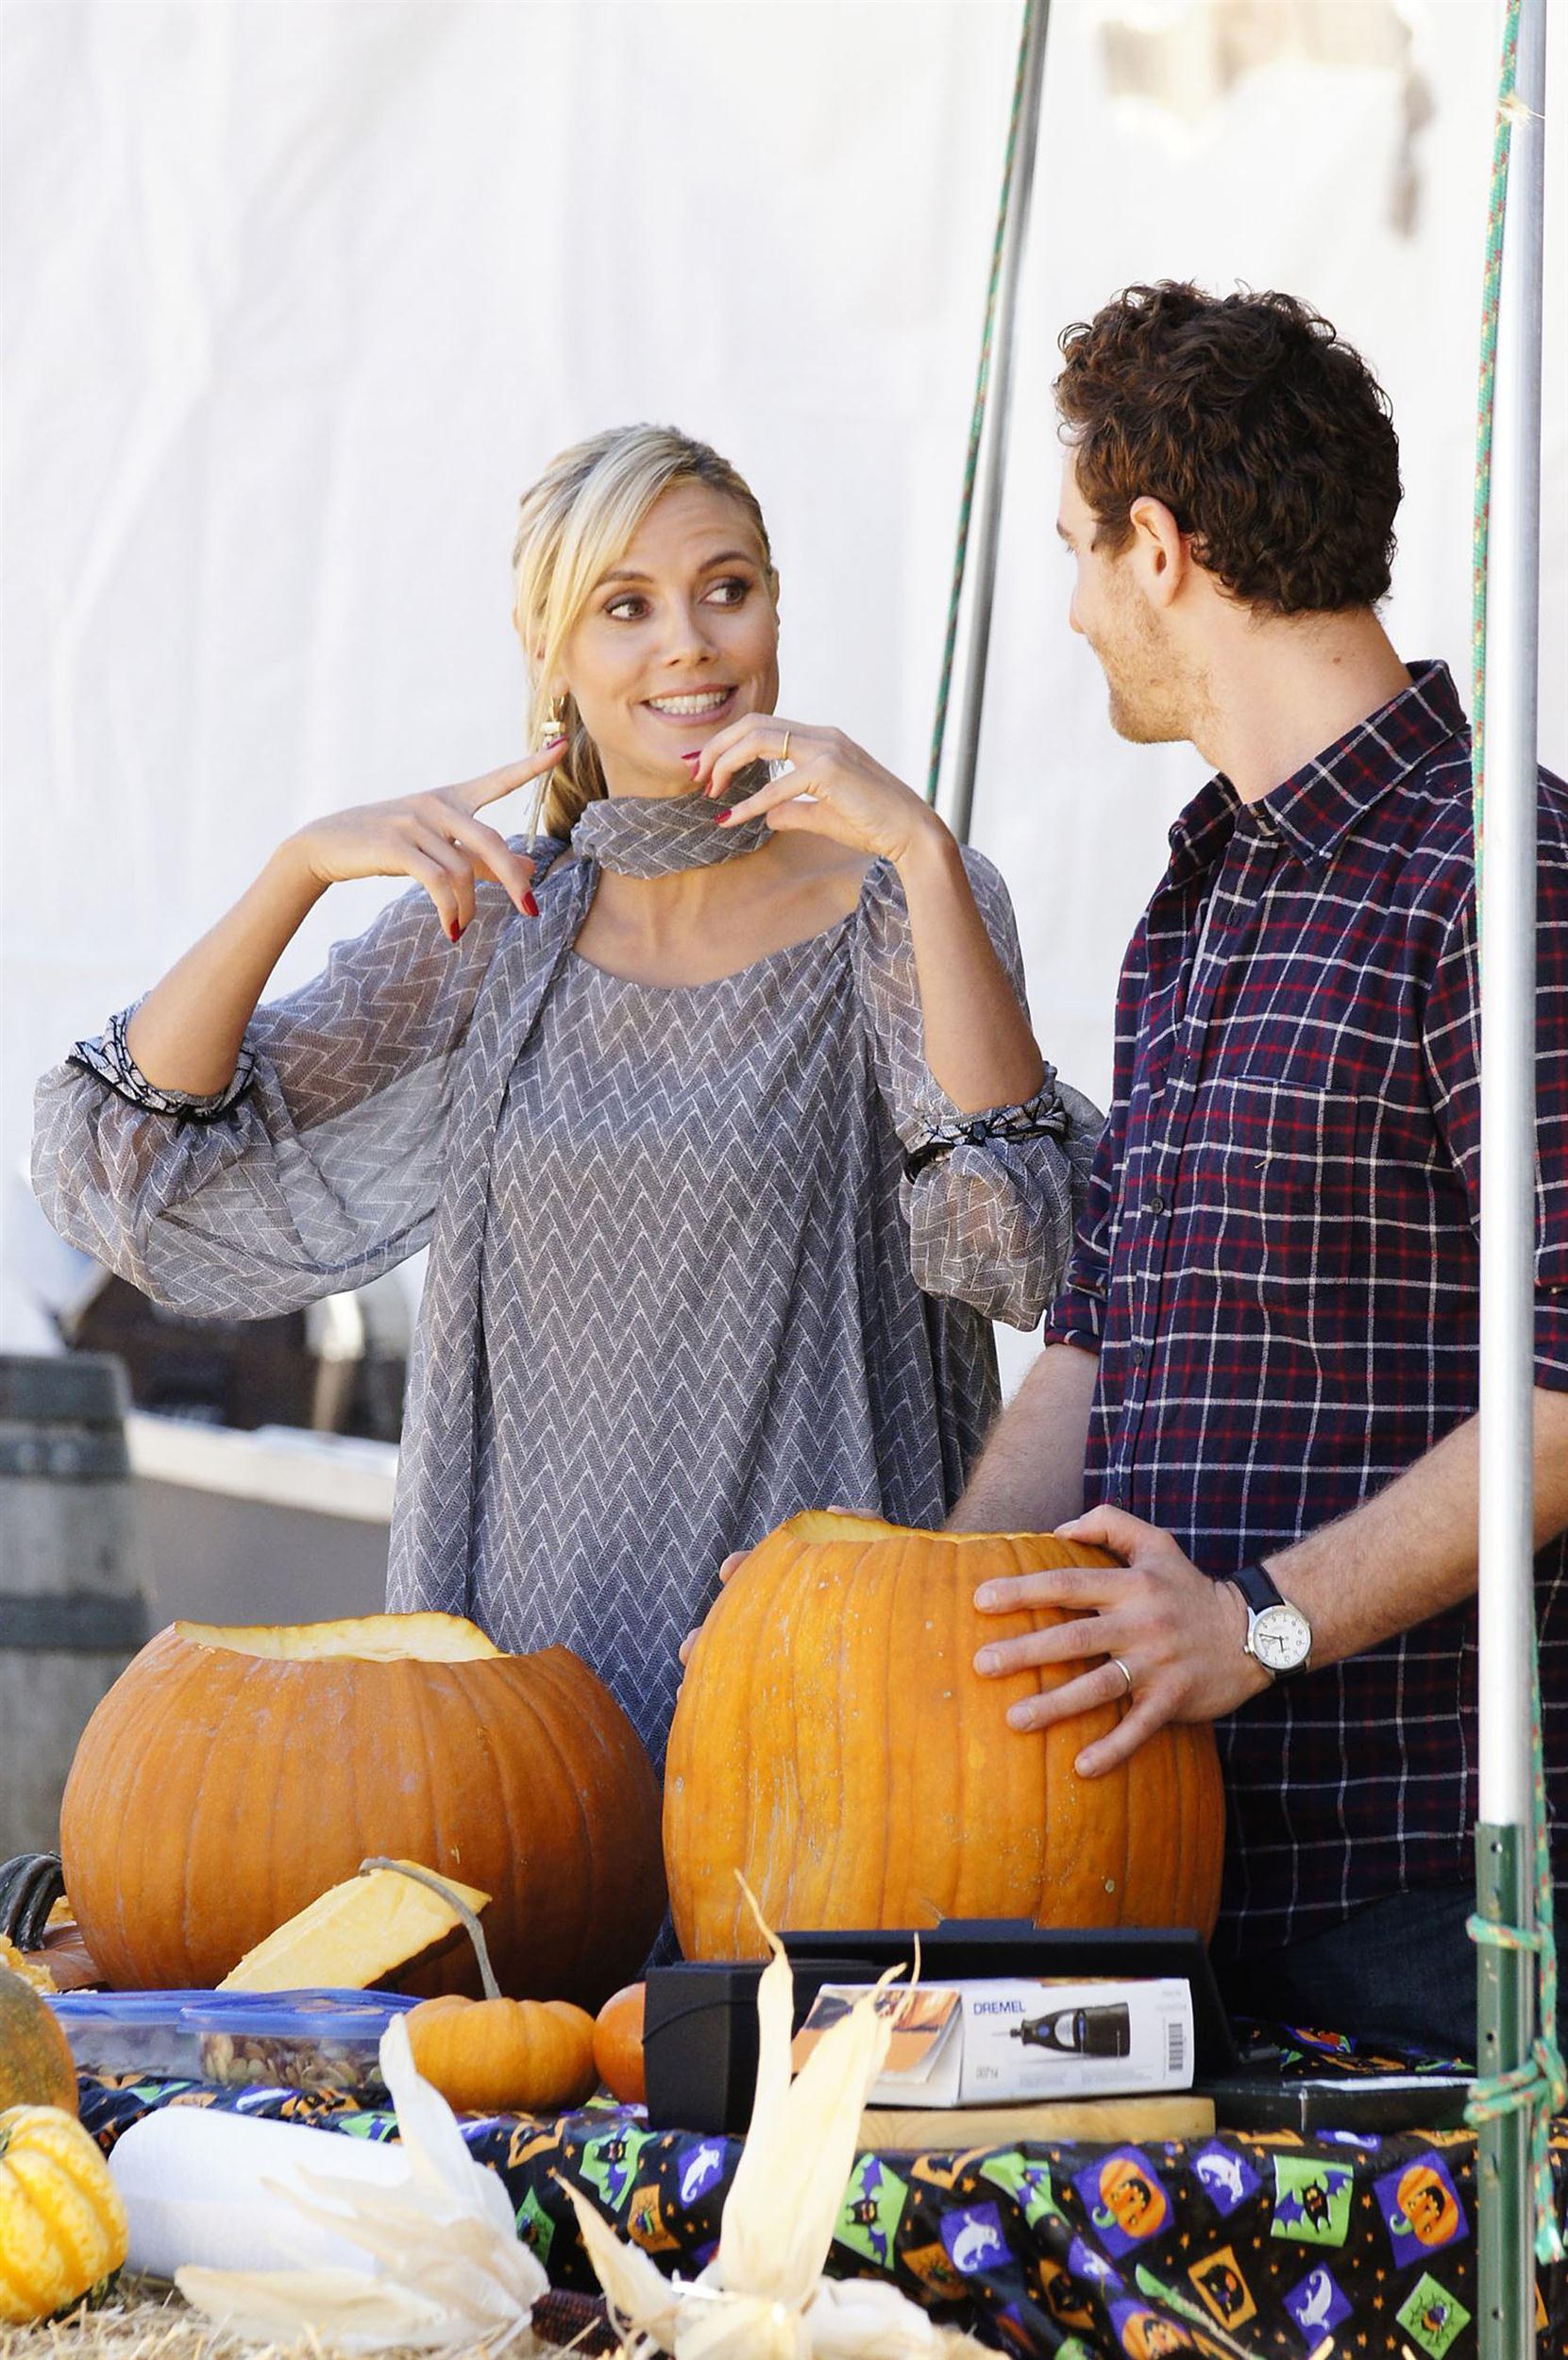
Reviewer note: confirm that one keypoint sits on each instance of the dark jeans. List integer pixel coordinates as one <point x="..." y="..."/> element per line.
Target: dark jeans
<point x="1399" y="1972"/>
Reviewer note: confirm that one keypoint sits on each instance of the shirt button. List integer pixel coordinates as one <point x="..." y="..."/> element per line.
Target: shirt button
<point x="1153" y="1201"/>
<point x="1138" y="1356"/>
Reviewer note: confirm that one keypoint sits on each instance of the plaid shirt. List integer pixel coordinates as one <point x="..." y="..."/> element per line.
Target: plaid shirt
<point x="1277" y="1266"/>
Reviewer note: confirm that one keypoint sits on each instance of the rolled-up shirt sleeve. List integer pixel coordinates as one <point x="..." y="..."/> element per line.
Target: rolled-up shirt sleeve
<point x="1078" y="1314"/>
<point x="990" y="1198"/>
<point x="314" y="1170"/>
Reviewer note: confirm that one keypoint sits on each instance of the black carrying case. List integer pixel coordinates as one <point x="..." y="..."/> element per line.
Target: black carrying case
<point x="700" y="2032"/>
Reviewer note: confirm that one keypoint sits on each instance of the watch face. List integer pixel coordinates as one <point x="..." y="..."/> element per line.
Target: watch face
<point x="1281" y="1638"/>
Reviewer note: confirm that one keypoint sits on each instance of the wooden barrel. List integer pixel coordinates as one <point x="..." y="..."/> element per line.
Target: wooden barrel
<point x="73" y="1608"/>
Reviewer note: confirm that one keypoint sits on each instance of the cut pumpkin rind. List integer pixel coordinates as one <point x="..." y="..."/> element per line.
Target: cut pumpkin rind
<point x="355" y="1935"/>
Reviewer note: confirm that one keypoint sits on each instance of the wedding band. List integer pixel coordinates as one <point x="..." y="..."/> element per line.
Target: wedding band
<point x="1125" y="1673"/>
<point x="784" y="750"/>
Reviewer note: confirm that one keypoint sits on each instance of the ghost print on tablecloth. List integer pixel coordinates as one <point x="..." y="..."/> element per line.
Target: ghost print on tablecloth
<point x="1317" y="2303"/>
<point x="1229" y="2179"/>
<point x="701" y="2167"/>
<point x="1086" y="2262"/>
<point x="975" y="2239"/>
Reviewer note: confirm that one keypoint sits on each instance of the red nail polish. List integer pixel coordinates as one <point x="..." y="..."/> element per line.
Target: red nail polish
<point x="453" y="930"/>
<point x="720" y="817"/>
<point x="692" y="761"/>
<point x="530" y="907"/>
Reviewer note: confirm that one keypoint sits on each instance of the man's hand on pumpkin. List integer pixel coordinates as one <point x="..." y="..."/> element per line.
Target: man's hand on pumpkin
<point x="1178" y="1634"/>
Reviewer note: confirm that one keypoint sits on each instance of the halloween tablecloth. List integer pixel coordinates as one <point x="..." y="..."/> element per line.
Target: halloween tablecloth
<point x="1236" y="2244"/>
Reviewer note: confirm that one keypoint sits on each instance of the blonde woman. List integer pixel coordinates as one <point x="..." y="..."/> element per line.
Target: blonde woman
<point x="715" y="1101"/>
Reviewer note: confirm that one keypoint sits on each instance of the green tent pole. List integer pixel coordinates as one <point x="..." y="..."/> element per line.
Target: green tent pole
<point x="1504" y="1844"/>
<point x="985" y="464"/>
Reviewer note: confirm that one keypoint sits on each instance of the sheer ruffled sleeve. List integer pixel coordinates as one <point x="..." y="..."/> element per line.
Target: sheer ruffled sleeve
<point x="314" y="1168"/>
<point x="990" y="1198"/>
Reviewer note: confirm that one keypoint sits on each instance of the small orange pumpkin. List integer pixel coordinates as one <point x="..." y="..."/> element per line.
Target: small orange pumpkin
<point x="36" y="2066"/>
<point x="619" y="2045"/>
<point x="505" y="2056"/>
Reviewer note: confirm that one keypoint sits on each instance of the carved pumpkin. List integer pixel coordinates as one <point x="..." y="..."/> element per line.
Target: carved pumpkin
<point x="62" y="2226"/>
<point x="833" y="1742"/>
<point x="232" y="1776"/>
<point x="35" y="2067"/>
<point x="618" y="2046"/>
<point x="505" y="2056"/>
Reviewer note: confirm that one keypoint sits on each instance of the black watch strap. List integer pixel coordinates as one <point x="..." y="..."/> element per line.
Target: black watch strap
<point x="1257" y="1586"/>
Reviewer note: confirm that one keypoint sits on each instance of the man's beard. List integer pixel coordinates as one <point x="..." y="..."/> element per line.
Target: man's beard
<point x="1151" y="700"/>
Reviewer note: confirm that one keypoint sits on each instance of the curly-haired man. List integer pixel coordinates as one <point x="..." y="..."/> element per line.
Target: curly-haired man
<point x="1262" y="1372"/>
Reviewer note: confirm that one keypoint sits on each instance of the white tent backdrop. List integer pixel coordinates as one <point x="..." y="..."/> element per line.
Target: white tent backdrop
<point x="301" y="294"/>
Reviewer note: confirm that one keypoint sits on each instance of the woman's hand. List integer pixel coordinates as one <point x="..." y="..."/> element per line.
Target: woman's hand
<point x="736" y="1557"/>
<point x="832" y="788"/>
<point x="435" y="839"/>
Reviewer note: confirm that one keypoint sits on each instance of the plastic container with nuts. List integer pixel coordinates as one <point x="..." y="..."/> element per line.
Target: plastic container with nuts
<point x="303" y="2040"/>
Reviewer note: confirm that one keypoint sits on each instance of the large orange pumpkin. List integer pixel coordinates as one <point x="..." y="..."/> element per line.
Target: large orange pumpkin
<point x="230" y="1776"/>
<point x="833" y="1742"/>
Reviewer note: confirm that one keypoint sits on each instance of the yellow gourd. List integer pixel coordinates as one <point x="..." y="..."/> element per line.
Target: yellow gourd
<point x="62" y="2226"/>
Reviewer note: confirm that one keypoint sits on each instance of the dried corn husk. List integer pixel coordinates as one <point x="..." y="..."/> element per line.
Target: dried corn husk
<point x="763" y="2296"/>
<point x="444" y="2265"/>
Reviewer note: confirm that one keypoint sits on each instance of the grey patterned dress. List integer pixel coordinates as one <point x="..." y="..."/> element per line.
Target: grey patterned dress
<point x="701" y="1255"/>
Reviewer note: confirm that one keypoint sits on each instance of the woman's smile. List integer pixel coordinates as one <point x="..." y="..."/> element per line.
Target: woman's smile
<point x="692" y="704"/>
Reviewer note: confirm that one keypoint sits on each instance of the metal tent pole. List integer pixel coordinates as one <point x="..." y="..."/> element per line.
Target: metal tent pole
<point x="1507" y="1598"/>
<point x="993" y="464"/>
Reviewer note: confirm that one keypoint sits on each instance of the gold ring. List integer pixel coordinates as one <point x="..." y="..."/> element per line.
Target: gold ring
<point x="784" y="753"/>
<point x="1125" y="1673"/>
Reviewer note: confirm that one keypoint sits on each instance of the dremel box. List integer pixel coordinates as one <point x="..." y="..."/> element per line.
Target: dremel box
<point x="1004" y="2041"/>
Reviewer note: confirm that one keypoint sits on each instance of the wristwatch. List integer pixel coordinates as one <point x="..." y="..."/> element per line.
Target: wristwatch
<point x="1278" y="1634"/>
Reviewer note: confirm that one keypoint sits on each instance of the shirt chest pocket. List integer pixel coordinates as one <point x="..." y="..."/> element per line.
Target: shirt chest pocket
<point x="1274" y="1182"/>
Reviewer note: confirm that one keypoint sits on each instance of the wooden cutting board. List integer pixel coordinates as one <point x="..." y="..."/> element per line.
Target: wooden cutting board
<point x="1097" y="2122"/>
